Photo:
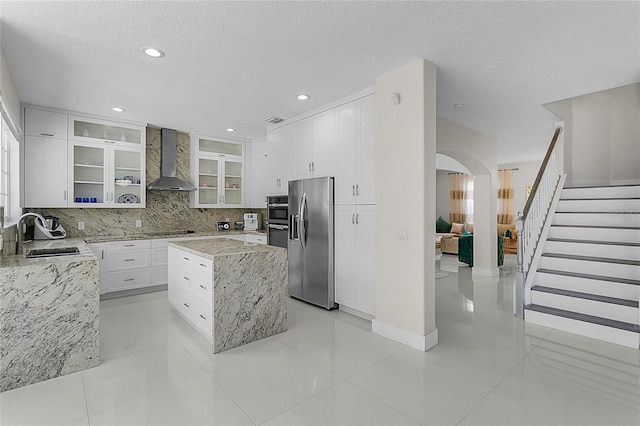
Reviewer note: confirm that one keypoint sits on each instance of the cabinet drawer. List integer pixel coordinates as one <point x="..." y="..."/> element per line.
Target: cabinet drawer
<point x="159" y="256"/>
<point x="198" y="282"/>
<point x="125" y="280"/>
<point x="127" y="260"/>
<point x="159" y="276"/>
<point x="45" y="123"/>
<point x="203" y="315"/>
<point x="186" y="300"/>
<point x="128" y="245"/>
<point x="196" y="262"/>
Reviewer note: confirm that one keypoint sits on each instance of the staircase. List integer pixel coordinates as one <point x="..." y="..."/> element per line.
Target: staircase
<point x="587" y="281"/>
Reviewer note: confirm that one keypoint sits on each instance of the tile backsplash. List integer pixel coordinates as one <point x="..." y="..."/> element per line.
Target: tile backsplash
<point x="165" y="210"/>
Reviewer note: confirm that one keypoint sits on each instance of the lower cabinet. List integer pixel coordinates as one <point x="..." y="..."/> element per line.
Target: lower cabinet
<point x="355" y="257"/>
<point x="191" y="288"/>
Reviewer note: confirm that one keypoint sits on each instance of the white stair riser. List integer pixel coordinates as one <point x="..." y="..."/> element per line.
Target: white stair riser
<point x="595" y="331"/>
<point x="584" y="306"/>
<point x="631" y="272"/>
<point x="602" y="192"/>
<point x="597" y="219"/>
<point x="604" y="288"/>
<point x="595" y="234"/>
<point x="598" y="250"/>
<point x="598" y="206"/>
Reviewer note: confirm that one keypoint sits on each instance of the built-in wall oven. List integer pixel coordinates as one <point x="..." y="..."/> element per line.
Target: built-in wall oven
<point x="277" y="218"/>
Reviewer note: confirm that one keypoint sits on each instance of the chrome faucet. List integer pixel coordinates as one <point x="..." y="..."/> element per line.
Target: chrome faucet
<point x="19" y="229"/>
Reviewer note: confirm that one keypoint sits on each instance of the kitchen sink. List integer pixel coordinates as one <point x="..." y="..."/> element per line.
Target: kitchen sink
<point x="60" y="251"/>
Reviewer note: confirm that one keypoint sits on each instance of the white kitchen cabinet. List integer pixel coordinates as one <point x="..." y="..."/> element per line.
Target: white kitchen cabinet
<point x="191" y="288"/>
<point x="281" y="159"/>
<point x="217" y="169"/>
<point x="355" y="257"/>
<point x="355" y="135"/>
<point x="126" y="265"/>
<point x="103" y="131"/>
<point x="315" y="147"/>
<point x="43" y="123"/>
<point x="97" y="172"/>
<point x="45" y="174"/>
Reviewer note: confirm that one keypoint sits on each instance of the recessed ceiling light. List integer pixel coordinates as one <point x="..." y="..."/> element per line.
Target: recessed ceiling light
<point x="117" y="109"/>
<point x="153" y="52"/>
<point x="231" y="129"/>
<point x="303" y="97"/>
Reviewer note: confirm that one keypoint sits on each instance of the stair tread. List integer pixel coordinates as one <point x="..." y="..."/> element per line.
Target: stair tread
<point x="592" y="258"/>
<point x="609" y="243"/>
<point x="587" y="296"/>
<point x="635" y="328"/>
<point x="596" y="226"/>
<point x="590" y="276"/>
<point x="600" y="199"/>
<point x="625" y="185"/>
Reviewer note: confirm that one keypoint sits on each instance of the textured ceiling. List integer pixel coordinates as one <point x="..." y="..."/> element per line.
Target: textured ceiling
<point x="234" y="64"/>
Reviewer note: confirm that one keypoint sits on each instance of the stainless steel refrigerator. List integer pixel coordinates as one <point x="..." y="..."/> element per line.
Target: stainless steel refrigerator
<point x="310" y="242"/>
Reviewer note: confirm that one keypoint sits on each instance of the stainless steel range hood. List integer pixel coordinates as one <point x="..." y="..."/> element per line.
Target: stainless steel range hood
<point x="168" y="180"/>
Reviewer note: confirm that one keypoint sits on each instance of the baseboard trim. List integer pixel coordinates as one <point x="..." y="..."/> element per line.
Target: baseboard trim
<point x="355" y="312"/>
<point x="422" y="343"/>
<point x="485" y="272"/>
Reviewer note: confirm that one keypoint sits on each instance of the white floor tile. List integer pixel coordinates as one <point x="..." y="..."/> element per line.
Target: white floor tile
<point x="80" y="422"/>
<point x="133" y="335"/>
<point x="273" y="382"/>
<point x="53" y="402"/>
<point x="162" y="408"/>
<point x="346" y="350"/>
<point x="210" y="404"/>
<point x="133" y="376"/>
<point x="343" y="404"/>
<point x="423" y="391"/>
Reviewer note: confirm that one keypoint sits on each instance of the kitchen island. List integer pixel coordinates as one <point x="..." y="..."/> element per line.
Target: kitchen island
<point x="232" y="292"/>
<point x="49" y="314"/>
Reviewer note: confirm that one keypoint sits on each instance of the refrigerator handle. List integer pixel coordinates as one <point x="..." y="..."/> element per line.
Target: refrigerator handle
<point x="293" y="226"/>
<point x="302" y="230"/>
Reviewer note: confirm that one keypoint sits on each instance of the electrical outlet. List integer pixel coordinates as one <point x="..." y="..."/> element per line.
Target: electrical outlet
<point x="138" y="223"/>
<point x="403" y="234"/>
<point x="226" y="219"/>
<point x="80" y="226"/>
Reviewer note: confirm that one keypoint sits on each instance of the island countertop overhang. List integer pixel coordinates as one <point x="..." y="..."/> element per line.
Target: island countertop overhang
<point x="212" y="247"/>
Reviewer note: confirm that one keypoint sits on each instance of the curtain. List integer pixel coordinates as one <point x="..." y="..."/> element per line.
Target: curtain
<point x="505" y="197"/>
<point x="461" y="198"/>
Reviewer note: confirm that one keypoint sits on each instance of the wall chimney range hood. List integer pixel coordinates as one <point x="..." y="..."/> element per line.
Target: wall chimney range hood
<point x="168" y="180"/>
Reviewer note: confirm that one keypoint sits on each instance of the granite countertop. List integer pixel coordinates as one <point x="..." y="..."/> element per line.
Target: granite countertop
<point x="166" y="235"/>
<point x="209" y="248"/>
<point x="17" y="260"/>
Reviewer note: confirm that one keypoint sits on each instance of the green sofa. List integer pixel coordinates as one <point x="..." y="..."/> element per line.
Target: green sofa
<point x="465" y="249"/>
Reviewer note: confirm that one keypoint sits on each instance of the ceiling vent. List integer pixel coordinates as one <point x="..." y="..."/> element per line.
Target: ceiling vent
<point x="274" y="120"/>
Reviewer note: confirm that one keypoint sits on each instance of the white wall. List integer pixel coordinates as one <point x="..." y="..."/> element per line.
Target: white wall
<point x="9" y="93"/>
<point x="602" y="136"/>
<point x="405" y="153"/>
<point x="477" y="152"/>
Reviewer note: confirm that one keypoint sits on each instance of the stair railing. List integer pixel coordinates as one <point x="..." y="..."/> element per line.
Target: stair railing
<point x="532" y="219"/>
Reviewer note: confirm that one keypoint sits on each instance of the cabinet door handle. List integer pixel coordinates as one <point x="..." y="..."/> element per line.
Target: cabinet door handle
<point x="102" y="254"/>
<point x="353" y="190"/>
<point x="129" y="260"/>
<point x="46" y="134"/>
<point x="65" y="195"/>
<point x="186" y="278"/>
<point x="109" y="142"/>
<point x="203" y="287"/>
<point x="357" y="189"/>
<point x="313" y="166"/>
<point x="203" y="265"/>
<point x="357" y="218"/>
<point x="186" y="258"/>
<point x="353" y="218"/>
<point x="129" y="279"/>
<point x="129" y="245"/>
<point x="203" y="317"/>
<point x="186" y="304"/>
<point x="309" y="166"/>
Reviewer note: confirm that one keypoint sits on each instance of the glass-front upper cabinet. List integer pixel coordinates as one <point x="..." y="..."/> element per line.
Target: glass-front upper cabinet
<point x="88" y="176"/>
<point x="94" y="130"/>
<point x="217" y="169"/>
<point x="106" y="176"/>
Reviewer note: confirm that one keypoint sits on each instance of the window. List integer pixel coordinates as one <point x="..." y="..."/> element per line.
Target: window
<point x="9" y="173"/>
